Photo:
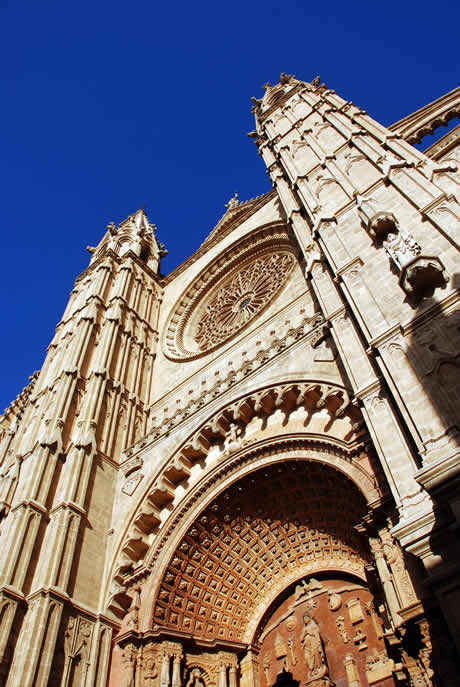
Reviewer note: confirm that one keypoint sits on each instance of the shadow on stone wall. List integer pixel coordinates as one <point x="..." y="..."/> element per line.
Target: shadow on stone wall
<point x="434" y="354"/>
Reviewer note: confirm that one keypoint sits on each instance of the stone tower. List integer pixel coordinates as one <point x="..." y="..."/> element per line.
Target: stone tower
<point x="246" y="472"/>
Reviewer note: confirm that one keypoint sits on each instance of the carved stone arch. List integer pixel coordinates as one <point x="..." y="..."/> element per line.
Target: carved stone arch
<point x="160" y="495"/>
<point x="226" y="475"/>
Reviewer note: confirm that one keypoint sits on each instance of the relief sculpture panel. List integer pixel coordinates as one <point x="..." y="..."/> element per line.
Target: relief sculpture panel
<point x="319" y="640"/>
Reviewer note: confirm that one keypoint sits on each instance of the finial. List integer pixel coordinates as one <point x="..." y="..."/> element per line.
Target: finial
<point x="316" y="81"/>
<point x="233" y="202"/>
<point x="286" y="78"/>
<point x="266" y="86"/>
<point x="112" y="228"/>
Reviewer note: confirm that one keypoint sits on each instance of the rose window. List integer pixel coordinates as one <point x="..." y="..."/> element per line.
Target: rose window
<point x="229" y="293"/>
<point x="241" y="298"/>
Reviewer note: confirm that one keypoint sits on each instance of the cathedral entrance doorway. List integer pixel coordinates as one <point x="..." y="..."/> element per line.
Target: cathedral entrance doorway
<point x="268" y="586"/>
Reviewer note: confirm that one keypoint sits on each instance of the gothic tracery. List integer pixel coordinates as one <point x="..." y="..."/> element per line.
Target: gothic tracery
<point x="241" y="298"/>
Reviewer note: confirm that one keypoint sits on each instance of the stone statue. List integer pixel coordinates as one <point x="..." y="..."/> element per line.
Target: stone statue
<point x="232" y="440"/>
<point x="401" y="247"/>
<point x="129" y="662"/>
<point x="315" y="658"/>
<point x="233" y="202"/>
<point x="132" y="616"/>
<point x="195" y="679"/>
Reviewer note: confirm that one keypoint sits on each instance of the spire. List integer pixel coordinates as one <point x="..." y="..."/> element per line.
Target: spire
<point x="135" y="235"/>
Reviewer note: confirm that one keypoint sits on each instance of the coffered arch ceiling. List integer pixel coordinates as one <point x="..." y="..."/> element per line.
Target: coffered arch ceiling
<point x="270" y="528"/>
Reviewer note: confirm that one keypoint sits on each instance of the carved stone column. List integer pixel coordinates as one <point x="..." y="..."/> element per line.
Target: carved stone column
<point x="222" y="676"/>
<point x="37" y="639"/>
<point x="176" y="672"/>
<point x="352" y="671"/>
<point x="164" y="674"/>
<point x="250" y="670"/>
<point x="232" y="681"/>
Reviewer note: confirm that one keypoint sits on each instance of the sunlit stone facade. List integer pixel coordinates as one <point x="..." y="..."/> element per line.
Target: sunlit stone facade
<point x="246" y="472"/>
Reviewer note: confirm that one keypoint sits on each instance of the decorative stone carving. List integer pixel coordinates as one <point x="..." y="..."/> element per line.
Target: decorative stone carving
<point x="129" y="660"/>
<point x="370" y="610"/>
<point x="378" y="667"/>
<point x="334" y="602"/>
<point x="315" y="658"/>
<point x="266" y="666"/>
<point x="195" y="679"/>
<point x="150" y="672"/>
<point x="340" y="621"/>
<point x="134" y="464"/>
<point x="232" y="440"/>
<point x="132" y="616"/>
<point x="232" y="203"/>
<point x="131" y="484"/>
<point x="401" y="247"/>
<point x="360" y="640"/>
<point x="229" y="293"/>
<point x="241" y="298"/>
<point x="77" y="640"/>
<point x="422" y="276"/>
<point x="355" y="611"/>
<point x="247" y="529"/>
<point x="292" y="651"/>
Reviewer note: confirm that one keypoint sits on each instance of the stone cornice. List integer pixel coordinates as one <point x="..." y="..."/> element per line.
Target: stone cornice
<point x="428" y="118"/>
<point x="183" y="412"/>
<point x="445" y="144"/>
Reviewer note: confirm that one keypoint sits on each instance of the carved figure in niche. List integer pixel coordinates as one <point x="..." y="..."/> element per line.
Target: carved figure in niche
<point x="150" y="672"/>
<point x="129" y="662"/>
<point x="132" y="616"/>
<point x="232" y="440"/>
<point x="312" y="643"/>
<point x="401" y="247"/>
<point x="195" y="679"/>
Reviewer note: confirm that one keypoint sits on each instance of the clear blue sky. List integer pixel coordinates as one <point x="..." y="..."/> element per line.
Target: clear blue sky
<point x="108" y="105"/>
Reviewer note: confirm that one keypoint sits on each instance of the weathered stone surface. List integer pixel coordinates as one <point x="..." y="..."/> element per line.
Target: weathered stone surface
<point x="246" y="472"/>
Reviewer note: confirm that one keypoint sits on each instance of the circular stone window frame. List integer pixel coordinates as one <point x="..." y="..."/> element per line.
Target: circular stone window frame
<point x="268" y="239"/>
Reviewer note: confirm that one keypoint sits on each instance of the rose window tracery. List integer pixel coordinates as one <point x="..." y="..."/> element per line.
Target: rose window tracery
<point x="241" y="298"/>
<point x="229" y="293"/>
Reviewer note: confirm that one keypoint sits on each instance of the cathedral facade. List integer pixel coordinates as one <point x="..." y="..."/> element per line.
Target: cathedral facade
<point x="246" y="473"/>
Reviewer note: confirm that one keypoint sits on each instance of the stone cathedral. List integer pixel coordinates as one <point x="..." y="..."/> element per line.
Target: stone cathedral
<point x="246" y="473"/>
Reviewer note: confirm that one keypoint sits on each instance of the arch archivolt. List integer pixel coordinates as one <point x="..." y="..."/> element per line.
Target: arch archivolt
<point x="309" y="421"/>
<point x="267" y="522"/>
